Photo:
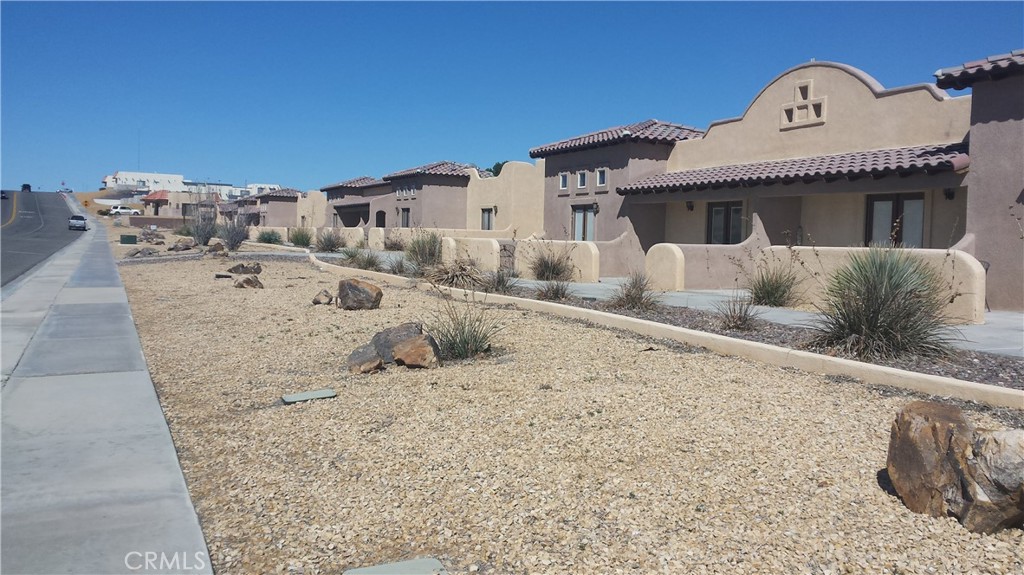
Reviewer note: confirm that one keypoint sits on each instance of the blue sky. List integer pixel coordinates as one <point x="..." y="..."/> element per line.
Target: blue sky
<point x="306" y="94"/>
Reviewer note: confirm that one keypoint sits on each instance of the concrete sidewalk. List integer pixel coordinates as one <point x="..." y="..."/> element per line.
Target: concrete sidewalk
<point x="90" y="478"/>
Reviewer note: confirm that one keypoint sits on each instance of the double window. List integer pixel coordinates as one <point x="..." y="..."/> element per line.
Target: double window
<point x="895" y="219"/>
<point x="583" y="218"/>
<point x="725" y="222"/>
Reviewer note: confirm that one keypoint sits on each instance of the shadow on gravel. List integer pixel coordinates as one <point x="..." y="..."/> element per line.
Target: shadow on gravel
<point x="886" y="483"/>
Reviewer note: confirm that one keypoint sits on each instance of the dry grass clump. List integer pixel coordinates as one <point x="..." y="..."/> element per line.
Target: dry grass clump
<point x="461" y="274"/>
<point x="635" y="294"/>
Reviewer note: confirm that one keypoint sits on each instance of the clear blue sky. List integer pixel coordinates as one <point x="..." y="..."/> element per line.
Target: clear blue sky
<point x="306" y="94"/>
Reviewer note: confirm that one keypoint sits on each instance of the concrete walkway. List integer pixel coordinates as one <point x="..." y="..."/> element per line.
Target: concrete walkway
<point x="90" y="478"/>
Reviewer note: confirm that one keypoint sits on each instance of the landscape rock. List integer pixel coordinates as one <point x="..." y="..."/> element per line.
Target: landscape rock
<point x="385" y="341"/>
<point x="187" y="242"/>
<point x="148" y="252"/>
<point x="214" y="248"/>
<point x="249" y="282"/>
<point x="324" y="297"/>
<point x="132" y="252"/>
<point x="355" y="294"/>
<point x="253" y="269"/>
<point x="941" y="465"/>
<point x="365" y="360"/>
<point x="420" y="351"/>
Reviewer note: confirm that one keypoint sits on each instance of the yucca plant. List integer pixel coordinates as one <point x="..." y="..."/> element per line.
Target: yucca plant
<point x="459" y="274"/>
<point x="552" y="265"/>
<point x="503" y="281"/>
<point x="553" y="291"/>
<point x="367" y="261"/>
<point x="736" y="313"/>
<point x="635" y="293"/>
<point x="462" y="331"/>
<point x="301" y="237"/>
<point x="885" y="303"/>
<point x="399" y="267"/>
<point x="773" y="286"/>
<point x="269" y="237"/>
<point x="424" y="250"/>
<point x="329" y="240"/>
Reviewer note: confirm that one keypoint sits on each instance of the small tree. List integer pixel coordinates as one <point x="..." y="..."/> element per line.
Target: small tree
<point x="233" y="232"/>
<point x="496" y="168"/>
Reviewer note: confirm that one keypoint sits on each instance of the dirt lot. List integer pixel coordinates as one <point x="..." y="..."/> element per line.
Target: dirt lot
<point x="568" y="449"/>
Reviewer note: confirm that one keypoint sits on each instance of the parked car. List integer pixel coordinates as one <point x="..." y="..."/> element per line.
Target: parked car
<point x="77" y="223"/>
<point x="124" y="211"/>
<point x="3" y="195"/>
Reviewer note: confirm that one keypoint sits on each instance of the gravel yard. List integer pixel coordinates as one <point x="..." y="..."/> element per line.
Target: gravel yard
<point x="569" y="449"/>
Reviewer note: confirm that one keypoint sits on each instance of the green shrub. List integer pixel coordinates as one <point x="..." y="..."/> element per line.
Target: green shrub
<point x="884" y="303"/>
<point x="553" y="291"/>
<point x="367" y="261"/>
<point x="233" y="233"/>
<point x="551" y="265"/>
<point x="462" y="331"/>
<point x="635" y="293"/>
<point x="329" y="240"/>
<point x="301" y="237"/>
<point x="502" y="281"/>
<point x="394" y="245"/>
<point x="103" y="212"/>
<point x="460" y="274"/>
<point x="424" y="250"/>
<point x="350" y="253"/>
<point x="203" y="228"/>
<point x="183" y="231"/>
<point x="773" y="286"/>
<point x="269" y="237"/>
<point x="399" y="267"/>
<point x="737" y="313"/>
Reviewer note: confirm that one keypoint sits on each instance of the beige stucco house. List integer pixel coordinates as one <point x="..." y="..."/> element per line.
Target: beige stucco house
<point x="283" y="208"/>
<point x="581" y="175"/>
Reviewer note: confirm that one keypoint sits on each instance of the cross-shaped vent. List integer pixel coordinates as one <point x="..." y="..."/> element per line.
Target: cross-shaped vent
<point x="804" y="110"/>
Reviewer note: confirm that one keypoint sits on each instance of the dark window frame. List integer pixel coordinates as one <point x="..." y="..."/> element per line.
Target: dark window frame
<point x="897" y="213"/>
<point x="729" y="224"/>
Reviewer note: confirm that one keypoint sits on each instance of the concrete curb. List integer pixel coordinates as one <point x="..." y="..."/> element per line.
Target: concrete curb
<point x="361" y="273"/>
<point x="770" y="354"/>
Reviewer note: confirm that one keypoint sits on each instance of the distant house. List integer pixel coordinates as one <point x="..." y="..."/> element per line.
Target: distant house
<point x="433" y="196"/>
<point x="172" y="204"/>
<point x="348" y="202"/>
<point x="581" y="175"/>
<point x="995" y="182"/>
<point x="284" y="208"/>
<point x="143" y="182"/>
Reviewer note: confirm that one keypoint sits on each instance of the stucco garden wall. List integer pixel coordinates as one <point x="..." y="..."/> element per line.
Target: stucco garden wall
<point x="584" y="257"/>
<point x="485" y="253"/>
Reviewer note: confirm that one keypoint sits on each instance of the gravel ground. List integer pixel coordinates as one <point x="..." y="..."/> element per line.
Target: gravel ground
<point x="567" y="449"/>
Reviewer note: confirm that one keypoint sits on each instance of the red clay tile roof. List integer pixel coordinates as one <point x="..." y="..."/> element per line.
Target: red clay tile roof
<point x="282" y="193"/>
<point x="157" y="196"/>
<point x="647" y="131"/>
<point x="228" y="207"/>
<point x="991" y="68"/>
<point x="443" y="168"/>
<point x="928" y="159"/>
<point x="355" y="183"/>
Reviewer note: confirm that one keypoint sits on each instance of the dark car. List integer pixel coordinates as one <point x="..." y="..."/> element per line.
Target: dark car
<point x="3" y="195"/>
<point x="77" y="223"/>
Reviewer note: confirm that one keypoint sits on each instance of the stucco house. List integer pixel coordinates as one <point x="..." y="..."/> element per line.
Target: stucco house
<point x="283" y="208"/>
<point x="995" y="182"/>
<point x="348" y="203"/>
<point x="581" y="175"/>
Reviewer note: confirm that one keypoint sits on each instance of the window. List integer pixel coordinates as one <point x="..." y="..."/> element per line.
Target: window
<point x="581" y="180"/>
<point x="405" y="217"/>
<point x="487" y="219"/>
<point x="725" y="223"/>
<point x="563" y="181"/>
<point x="412" y="192"/>
<point x="334" y="224"/>
<point x="583" y="222"/>
<point x="895" y="218"/>
<point x="602" y="177"/>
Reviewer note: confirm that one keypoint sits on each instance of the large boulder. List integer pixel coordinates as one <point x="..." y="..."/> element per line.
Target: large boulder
<point x="247" y="269"/>
<point x="249" y="282"/>
<point x="364" y="360"/>
<point x="385" y="341"/>
<point x="418" y="351"/>
<point x="214" y="248"/>
<point x="323" y="298"/>
<point x="405" y="344"/>
<point x="356" y="294"/>
<point x="941" y="465"/>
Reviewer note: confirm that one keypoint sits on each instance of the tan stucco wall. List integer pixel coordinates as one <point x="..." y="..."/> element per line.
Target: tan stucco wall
<point x="683" y="226"/>
<point x="833" y="220"/>
<point x="518" y="194"/>
<point x="280" y="213"/>
<point x="485" y="253"/>
<point x="314" y="207"/>
<point x="859" y="114"/>
<point x="584" y="256"/>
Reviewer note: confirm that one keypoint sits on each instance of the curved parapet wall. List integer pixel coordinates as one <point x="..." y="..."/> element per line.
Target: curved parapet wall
<point x="484" y="253"/>
<point x="584" y="256"/>
<point x="666" y="267"/>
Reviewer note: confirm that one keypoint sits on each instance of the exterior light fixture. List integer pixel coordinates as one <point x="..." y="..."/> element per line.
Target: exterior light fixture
<point x="949" y="193"/>
<point x="597" y="208"/>
<point x="689" y="206"/>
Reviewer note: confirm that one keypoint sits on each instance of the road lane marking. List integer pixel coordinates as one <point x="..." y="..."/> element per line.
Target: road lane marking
<point x="14" y="211"/>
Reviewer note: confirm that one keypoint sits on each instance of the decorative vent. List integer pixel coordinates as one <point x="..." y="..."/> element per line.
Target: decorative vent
<point x="805" y="110"/>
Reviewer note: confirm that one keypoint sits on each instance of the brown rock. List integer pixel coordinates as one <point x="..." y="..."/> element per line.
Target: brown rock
<point x="993" y="495"/>
<point x="132" y="252"/>
<point x="179" y="247"/>
<point x="253" y="269"/>
<point x="356" y="294"/>
<point x="418" y="351"/>
<point x="385" y="341"/>
<point x="249" y="282"/>
<point x="324" y="297"/>
<point x="214" y="248"/>
<point x="365" y="360"/>
<point x="187" y="242"/>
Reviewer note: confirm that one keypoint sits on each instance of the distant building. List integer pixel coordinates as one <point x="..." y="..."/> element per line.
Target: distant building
<point x="144" y="182"/>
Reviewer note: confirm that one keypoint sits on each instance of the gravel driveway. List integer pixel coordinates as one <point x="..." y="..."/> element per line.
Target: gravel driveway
<point x="566" y="450"/>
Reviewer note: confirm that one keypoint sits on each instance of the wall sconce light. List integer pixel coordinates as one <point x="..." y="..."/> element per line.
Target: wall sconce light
<point x="597" y="208"/>
<point x="949" y="193"/>
<point x="495" y="209"/>
<point x="689" y="206"/>
<point x="396" y="210"/>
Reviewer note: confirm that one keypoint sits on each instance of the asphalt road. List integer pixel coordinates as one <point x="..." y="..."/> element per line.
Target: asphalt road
<point x="33" y="226"/>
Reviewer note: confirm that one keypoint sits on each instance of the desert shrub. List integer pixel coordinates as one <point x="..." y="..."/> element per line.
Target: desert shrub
<point x="502" y="281"/>
<point x="301" y="237"/>
<point x="269" y="237"/>
<point x="233" y="233"/>
<point x="399" y="267"/>
<point x="350" y="253"/>
<point x="462" y="331"/>
<point x="737" y="312"/>
<point x="885" y="303"/>
<point x="183" y="231"/>
<point x="104" y="213"/>
<point x="552" y="265"/>
<point x="459" y="274"/>
<point x="424" y="250"/>
<point x="635" y="293"/>
<point x="203" y="227"/>
<point x="773" y="286"/>
<point x="553" y="291"/>
<point x="329" y="240"/>
<point x="394" y="245"/>
<point x="367" y="261"/>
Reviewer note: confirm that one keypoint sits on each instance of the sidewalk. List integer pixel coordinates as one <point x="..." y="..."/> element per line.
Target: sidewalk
<point x="90" y="478"/>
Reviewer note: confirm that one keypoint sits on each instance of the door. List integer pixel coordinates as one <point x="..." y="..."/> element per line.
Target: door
<point x="725" y="223"/>
<point x="583" y="220"/>
<point x="895" y="219"/>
